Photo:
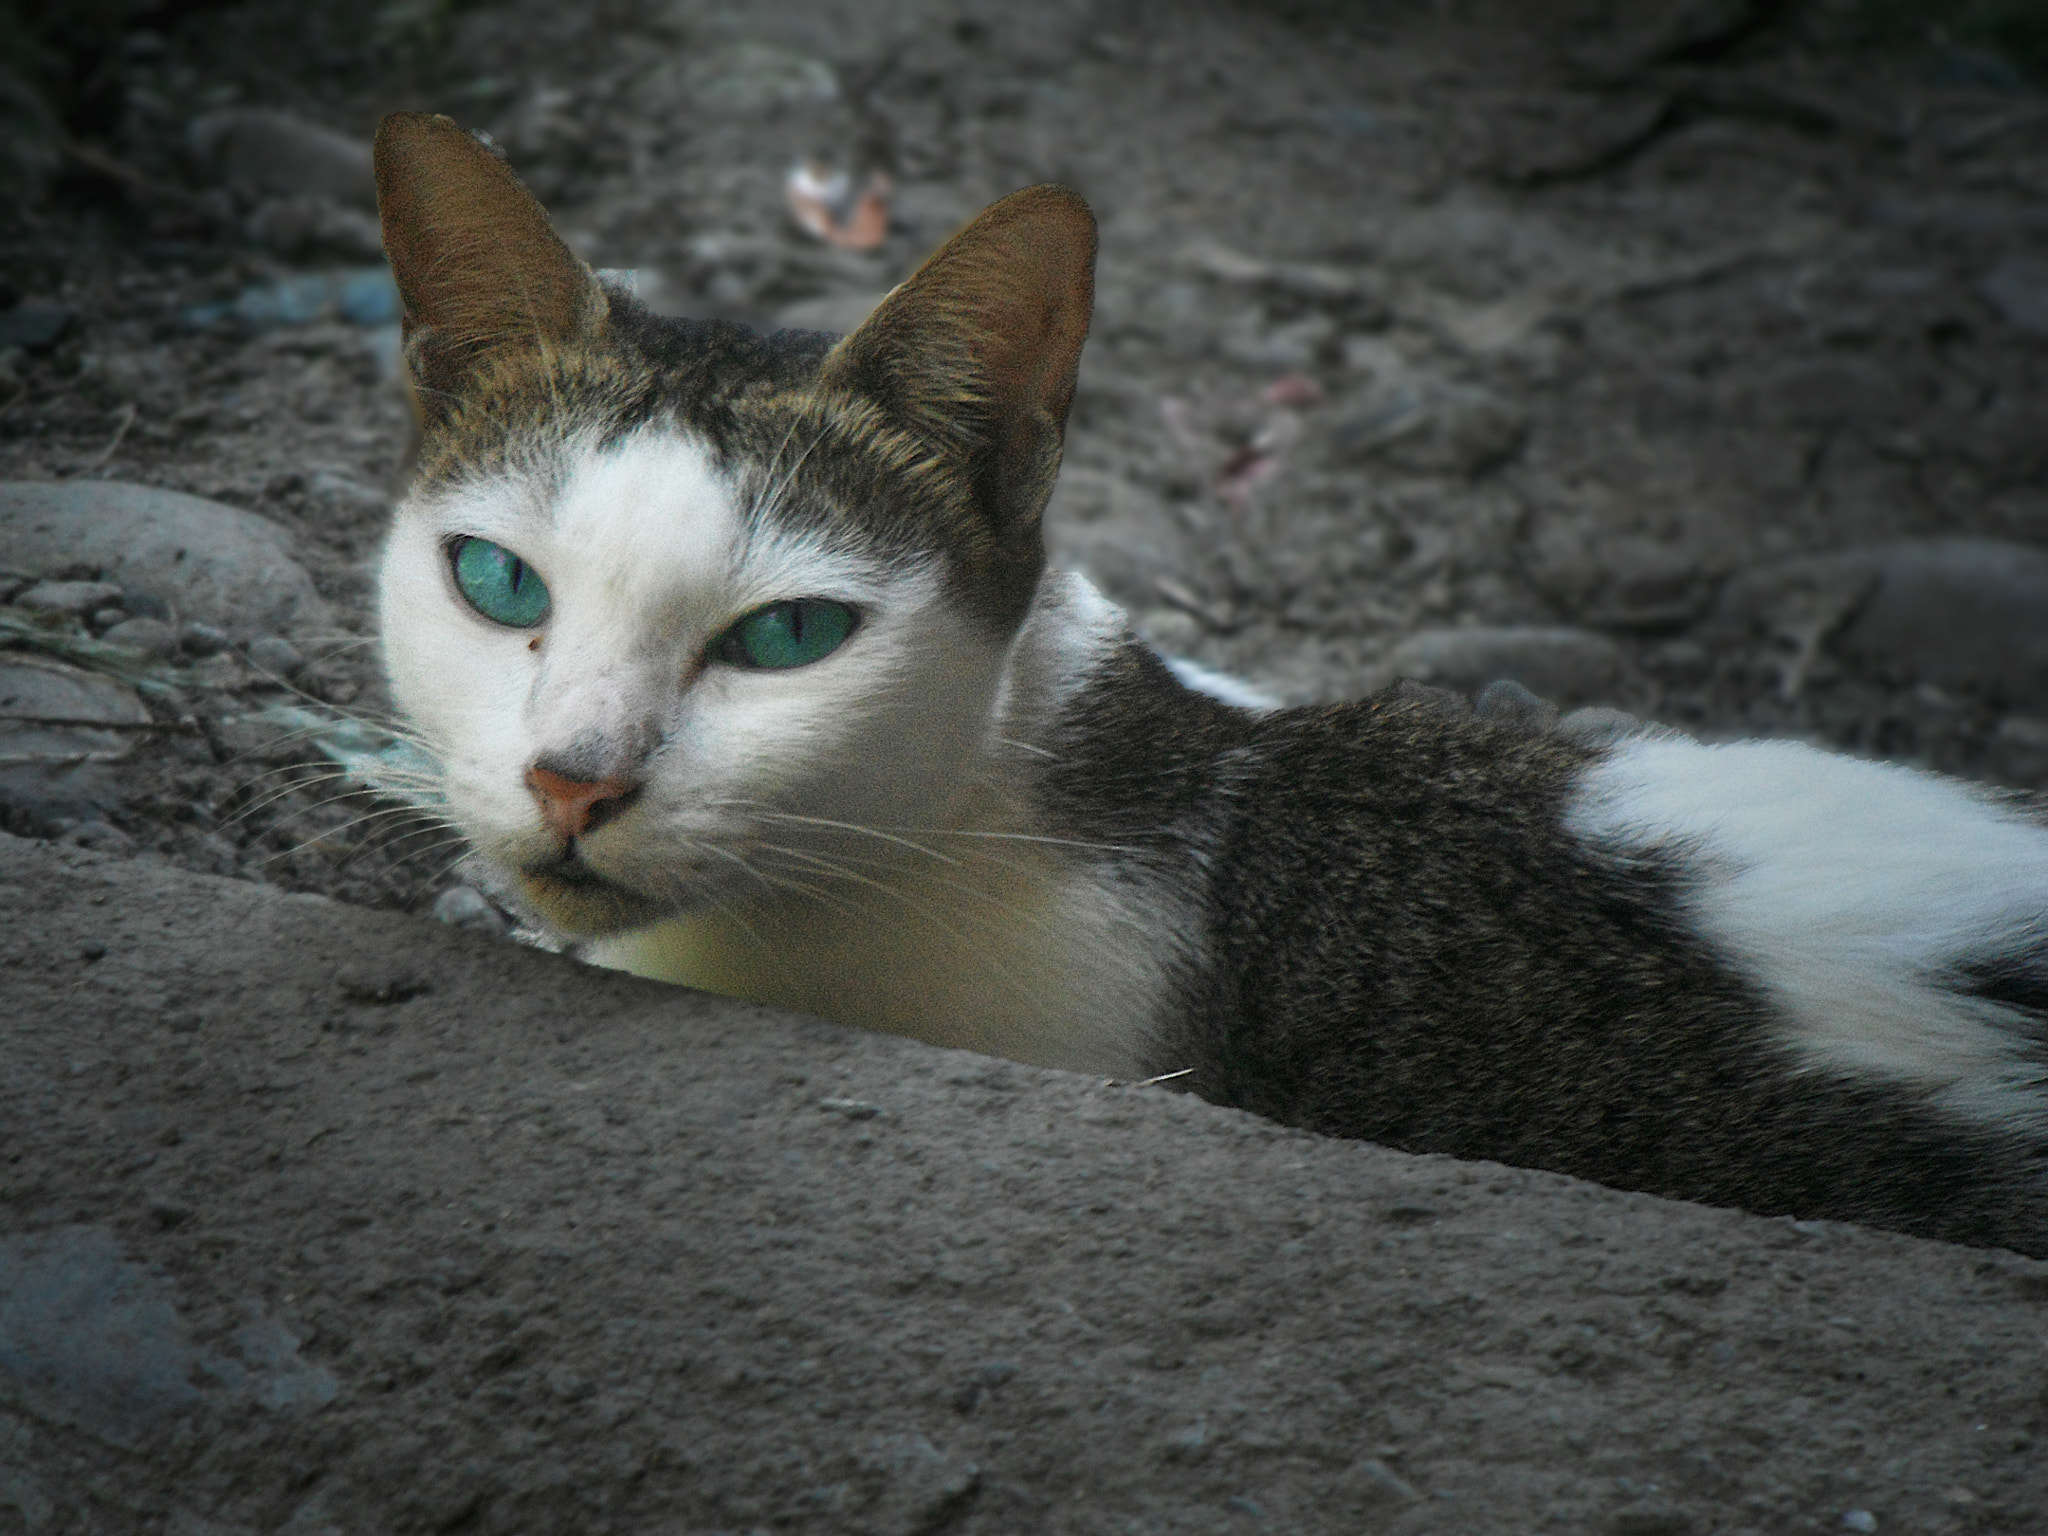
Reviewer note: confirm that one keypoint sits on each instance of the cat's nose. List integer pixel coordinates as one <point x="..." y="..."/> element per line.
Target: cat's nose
<point x="573" y="808"/>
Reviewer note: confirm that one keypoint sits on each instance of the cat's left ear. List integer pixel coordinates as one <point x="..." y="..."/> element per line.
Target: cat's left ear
<point x="978" y="353"/>
<point x="480" y="268"/>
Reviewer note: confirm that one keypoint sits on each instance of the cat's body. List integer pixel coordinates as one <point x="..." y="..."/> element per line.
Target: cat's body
<point x="796" y="715"/>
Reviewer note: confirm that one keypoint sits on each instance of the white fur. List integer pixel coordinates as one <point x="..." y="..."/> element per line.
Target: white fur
<point x="1848" y="891"/>
<point x="1230" y="690"/>
<point x="835" y="837"/>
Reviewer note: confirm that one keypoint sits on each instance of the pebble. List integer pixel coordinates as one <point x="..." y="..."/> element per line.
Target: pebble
<point x="1510" y="704"/>
<point x="30" y="685"/>
<point x="1963" y="614"/>
<point x="2019" y="751"/>
<point x="1436" y="428"/>
<point x="36" y="328"/>
<point x="215" y="564"/>
<point x="840" y="314"/>
<point x="1859" y="1520"/>
<point x="72" y="598"/>
<point x="275" y="655"/>
<point x="1649" y="1517"/>
<point x="1572" y="665"/>
<point x="197" y="639"/>
<point x="340" y="493"/>
<point x="1372" y="1483"/>
<point x="2018" y="289"/>
<point x="462" y="906"/>
<point x="265" y="151"/>
<point x="151" y="635"/>
<point x="363" y="296"/>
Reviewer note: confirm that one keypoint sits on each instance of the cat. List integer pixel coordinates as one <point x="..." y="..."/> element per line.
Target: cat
<point x="743" y="669"/>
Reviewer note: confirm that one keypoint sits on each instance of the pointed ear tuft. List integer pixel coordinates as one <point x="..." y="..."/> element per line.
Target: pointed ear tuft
<point x="978" y="352"/>
<point x="480" y="268"/>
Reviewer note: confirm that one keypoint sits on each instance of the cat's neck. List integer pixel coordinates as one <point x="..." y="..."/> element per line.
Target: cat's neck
<point x="1002" y="926"/>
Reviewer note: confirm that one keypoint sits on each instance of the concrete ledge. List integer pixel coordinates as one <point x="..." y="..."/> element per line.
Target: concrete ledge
<point x="319" y="1220"/>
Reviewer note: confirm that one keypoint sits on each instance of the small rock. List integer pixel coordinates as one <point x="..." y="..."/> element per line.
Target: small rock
<point x="36" y="328"/>
<point x="72" y="598"/>
<point x="304" y="226"/>
<point x="1598" y="725"/>
<point x="151" y="635"/>
<point x="102" y="619"/>
<point x="1964" y="614"/>
<point x="1435" y="428"/>
<point x="217" y="564"/>
<point x="101" y="837"/>
<point x="47" y="691"/>
<point x="915" y="1487"/>
<point x="1573" y="665"/>
<point x="276" y="656"/>
<point x="461" y="906"/>
<point x="1372" y="1484"/>
<point x="341" y="494"/>
<point x="47" y="800"/>
<point x="363" y="296"/>
<point x="840" y="314"/>
<point x="2018" y="289"/>
<point x="1510" y="704"/>
<point x="1859" y="1520"/>
<point x="262" y="151"/>
<point x="2019" y="751"/>
<point x="197" y="639"/>
<point x="1649" y="1517"/>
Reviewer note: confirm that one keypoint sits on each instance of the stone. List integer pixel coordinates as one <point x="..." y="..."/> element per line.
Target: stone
<point x="260" y="150"/>
<point x="275" y="655"/>
<point x="2019" y="751"/>
<point x="2018" y="289"/>
<point x="1859" y="1520"/>
<point x="201" y="640"/>
<point x="1600" y="725"/>
<point x="1964" y="614"/>
<point x="1570" y="665"/>
<point x="150" y="635"/>
<point x="51" y="692"/>
<point x="837" y="313"/>
<point x="50" y="800"/>
<point x="72" y="598"/>
<point x="1649" y="1517"/>
<point x="212" y="563"/>
<point x="1434" y="427"/>
<point x="462" y="906"/>
<point x="340" y="493"/>
<point x="1372" y="1484"/>
<point x="36" y="328"/>
<point x="1510" y="704"/>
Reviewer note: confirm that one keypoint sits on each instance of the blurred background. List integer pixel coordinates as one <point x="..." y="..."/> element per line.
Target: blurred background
<point x="1685" y="356"/>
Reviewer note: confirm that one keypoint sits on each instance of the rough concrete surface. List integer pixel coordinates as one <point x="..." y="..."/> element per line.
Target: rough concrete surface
<point x="319" y="1219"/>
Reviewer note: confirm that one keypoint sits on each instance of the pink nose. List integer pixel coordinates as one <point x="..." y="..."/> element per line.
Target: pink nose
<point x="571" y="807"/>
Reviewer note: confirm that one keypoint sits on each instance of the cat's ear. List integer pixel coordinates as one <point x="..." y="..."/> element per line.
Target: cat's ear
<point x="978" y="353"/>
<point x="480" y="269"/>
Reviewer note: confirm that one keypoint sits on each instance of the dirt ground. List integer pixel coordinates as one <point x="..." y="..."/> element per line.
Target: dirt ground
<point x="324" y="1220"/>
<point x="1438" y="335"/>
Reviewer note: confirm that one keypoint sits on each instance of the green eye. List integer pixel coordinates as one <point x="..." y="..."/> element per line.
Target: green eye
<point x="783" y="635"/>
<point x="499" y="585"/>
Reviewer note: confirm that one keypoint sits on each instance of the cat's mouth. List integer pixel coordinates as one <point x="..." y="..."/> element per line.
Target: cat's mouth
<point x="572" y="895"/>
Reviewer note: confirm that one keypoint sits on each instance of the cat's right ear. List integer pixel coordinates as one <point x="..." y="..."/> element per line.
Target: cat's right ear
<point x="481" y="271"/>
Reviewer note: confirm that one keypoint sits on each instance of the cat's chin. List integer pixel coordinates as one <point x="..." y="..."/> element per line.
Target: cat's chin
<point x="571" y="897"/>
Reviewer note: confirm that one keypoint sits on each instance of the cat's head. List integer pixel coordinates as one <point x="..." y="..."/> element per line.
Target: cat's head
<point x="667" y="594"/>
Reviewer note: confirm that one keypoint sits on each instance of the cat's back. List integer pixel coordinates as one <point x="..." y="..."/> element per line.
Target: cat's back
<point x="1756" y="974"/>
